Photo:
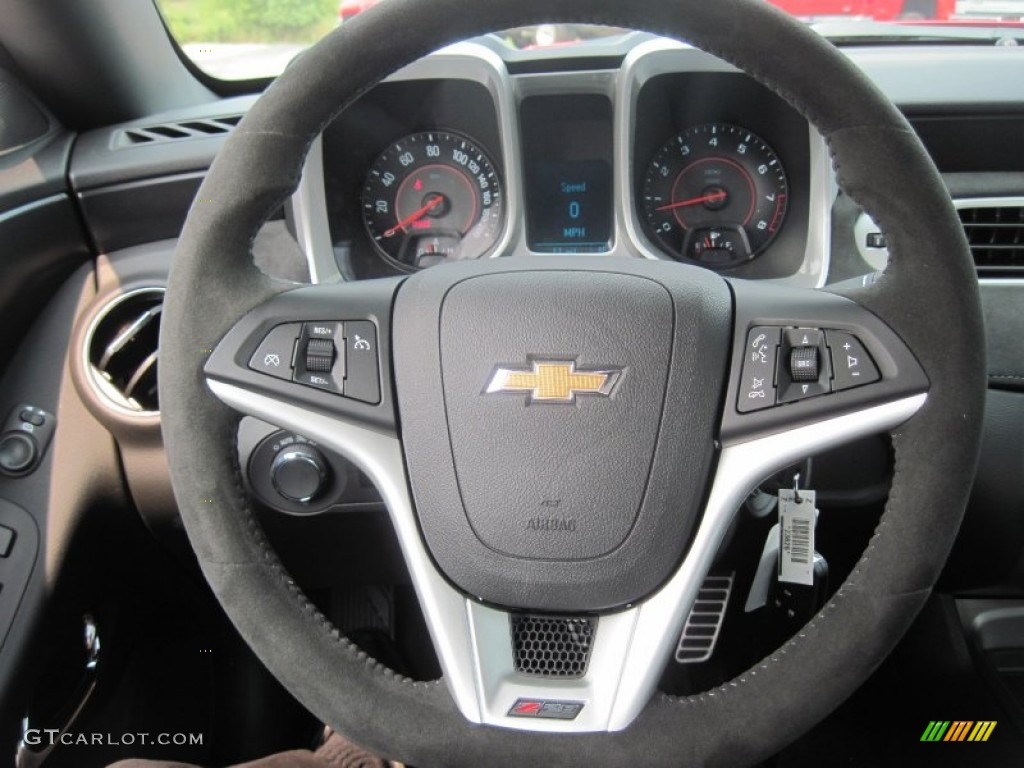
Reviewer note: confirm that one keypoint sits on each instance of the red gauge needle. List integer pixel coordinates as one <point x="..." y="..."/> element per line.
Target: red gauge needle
<point x="694" y="200"/>
<point x="415" y="216"/>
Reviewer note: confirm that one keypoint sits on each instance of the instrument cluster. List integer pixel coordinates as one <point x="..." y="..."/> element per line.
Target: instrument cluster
<point x="702" y="167"/>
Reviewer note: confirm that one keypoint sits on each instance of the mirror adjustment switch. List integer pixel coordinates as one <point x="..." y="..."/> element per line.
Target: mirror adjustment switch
<point x="32" y="416"/>
<point x="362" y="380"/>
<point x="275" y="354"/>
<point x="852" y="366"/>
<point x="24" y="439"/>
<point x="757" y="387"/>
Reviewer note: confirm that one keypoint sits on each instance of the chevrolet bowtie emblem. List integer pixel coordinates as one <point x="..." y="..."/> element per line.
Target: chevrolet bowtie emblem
<point x="553" y="382"/>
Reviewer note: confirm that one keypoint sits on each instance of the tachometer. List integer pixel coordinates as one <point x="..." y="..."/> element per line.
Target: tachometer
<point x="715" y="194"/>
<point x="433" y="197"/>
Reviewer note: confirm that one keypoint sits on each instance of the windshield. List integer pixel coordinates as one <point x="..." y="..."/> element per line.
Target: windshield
<point x="246" y="39"/>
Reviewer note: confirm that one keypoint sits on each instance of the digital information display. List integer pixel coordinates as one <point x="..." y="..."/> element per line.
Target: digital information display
<point x="567" y="143"/>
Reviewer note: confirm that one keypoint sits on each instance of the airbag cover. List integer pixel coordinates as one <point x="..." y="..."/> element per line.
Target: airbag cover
<point x="554" y="479"/>
<point x="535" y="497"/>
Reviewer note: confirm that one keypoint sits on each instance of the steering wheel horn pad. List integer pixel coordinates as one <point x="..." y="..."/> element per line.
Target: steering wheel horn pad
<point x="921" y="321"/>
<point x="549" y="500"/>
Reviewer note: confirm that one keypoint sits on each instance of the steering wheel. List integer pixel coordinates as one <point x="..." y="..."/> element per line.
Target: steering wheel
<point x="564" y="441"/>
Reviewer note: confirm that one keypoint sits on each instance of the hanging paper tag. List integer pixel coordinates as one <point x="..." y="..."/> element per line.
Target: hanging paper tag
<point x="796" y="537"/>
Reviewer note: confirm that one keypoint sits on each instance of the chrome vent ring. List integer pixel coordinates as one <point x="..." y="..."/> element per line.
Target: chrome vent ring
<point x="121" y="351"/>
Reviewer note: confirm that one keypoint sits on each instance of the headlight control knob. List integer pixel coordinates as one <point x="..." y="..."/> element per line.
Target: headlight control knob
<point x="299" y="473"/>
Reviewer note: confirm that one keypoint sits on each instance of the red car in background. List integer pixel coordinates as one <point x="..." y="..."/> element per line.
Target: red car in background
<point x="879" y="10"/>
<point x="349" y="8"/>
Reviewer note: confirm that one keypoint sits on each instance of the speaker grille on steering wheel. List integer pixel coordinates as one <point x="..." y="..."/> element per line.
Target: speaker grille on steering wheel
<point x="552" y="646"/>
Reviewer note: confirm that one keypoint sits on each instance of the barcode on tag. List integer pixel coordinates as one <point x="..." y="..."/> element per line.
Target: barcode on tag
<point x="800" y="541"/>
<point x="796" y="533"/>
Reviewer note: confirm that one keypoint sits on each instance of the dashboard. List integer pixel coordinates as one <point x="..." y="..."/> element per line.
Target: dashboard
<point x="673" y="155"/>
<point x="634" y="147"/>
<point x="640" y="148"/>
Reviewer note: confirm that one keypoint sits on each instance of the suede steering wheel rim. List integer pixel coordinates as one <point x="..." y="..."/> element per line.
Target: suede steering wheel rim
<point x="927" y="297"/>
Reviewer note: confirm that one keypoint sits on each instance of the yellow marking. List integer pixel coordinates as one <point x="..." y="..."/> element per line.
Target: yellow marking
<point x="982" y="730"/>
<point x="555" y="381"/>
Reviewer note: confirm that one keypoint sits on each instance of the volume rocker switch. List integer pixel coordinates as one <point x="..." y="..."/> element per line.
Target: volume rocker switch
<point x="852" y="366"/>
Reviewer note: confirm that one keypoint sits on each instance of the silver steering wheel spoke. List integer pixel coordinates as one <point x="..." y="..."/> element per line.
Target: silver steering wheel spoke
<point x="627" y="648"/>
<point x="630" y="647"/>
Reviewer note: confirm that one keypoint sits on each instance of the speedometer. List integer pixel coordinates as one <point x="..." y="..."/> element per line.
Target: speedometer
<point x="715" y="194"/>
<point x="432" y="197"/>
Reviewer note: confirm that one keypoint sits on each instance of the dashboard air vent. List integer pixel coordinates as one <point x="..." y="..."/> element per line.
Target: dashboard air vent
<point x="187" y="129"/>
<point x="995" y="233"/>
<point x="121" y="350"/>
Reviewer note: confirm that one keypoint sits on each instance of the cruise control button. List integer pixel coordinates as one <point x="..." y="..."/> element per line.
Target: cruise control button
<point x="319" y="355"/>
<point x="852" y="366"/>
<point x="274" y="354"/>
<point x="324" y="381"/>
<point x="362" y="379"/>
<point x="757" y="386"/>
<point x="318" y="362"/>
<point x="322" y="330"/>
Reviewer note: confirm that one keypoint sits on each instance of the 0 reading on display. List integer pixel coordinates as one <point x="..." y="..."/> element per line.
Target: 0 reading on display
<point x="568" y="145"/>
